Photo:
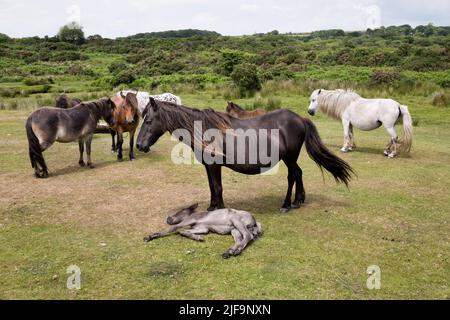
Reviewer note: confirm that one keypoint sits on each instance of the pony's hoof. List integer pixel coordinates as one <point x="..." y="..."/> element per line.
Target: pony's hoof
<point x="386" y="153"/>
<point x="391" y="156"/>
<point x="345" y="150"/>
<point x="284" y="210"/>
<point x="226" y="255"/>
<point x="120" y="159"/>
<point x="295" y="205"/>
<point x="147" y="239"/>
<point x="91" y="166"/>
<point x="82" y="164"/>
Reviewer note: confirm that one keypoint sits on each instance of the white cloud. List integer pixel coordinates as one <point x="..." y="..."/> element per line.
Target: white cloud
<point x="119" y="18"/>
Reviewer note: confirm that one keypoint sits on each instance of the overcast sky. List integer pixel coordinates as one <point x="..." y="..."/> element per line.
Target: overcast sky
<point x="20" y="18"/>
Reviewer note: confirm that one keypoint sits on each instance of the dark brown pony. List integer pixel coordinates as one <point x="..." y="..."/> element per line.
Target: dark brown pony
<point x="47" y="125"/>
<point x="239" y="112"/>
<point x="64" y="102"/>
<point x="126" y="119"/>
<point x="293" y="131"/>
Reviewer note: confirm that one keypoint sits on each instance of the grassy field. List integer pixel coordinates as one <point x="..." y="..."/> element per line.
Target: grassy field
<point x="396" y="215"/>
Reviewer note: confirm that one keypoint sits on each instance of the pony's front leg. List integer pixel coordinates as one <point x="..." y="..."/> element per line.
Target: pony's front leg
<point x="346" y="126"/>
<point x="215" y="186"/>
<point x="131" y="153"/>
<point x="113" y="145"/>
<point x="81" y="148"/>
<point x="119" y="145"/>
<point x="88" y="140"/>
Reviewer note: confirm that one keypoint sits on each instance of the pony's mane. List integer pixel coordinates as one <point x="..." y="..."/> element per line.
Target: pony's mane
<point x="176" y="116"/>
<point x="98" y="107"/>
<point x="334" y="102"/>
<point x="237" y="107"/>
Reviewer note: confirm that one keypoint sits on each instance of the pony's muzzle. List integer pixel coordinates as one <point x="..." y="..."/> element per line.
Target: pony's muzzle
<point x="311" y="112"/>
<point x="170" y="220"/>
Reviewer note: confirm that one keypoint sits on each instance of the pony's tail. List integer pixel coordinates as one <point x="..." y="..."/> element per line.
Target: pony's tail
<point x="341" y="170"/>
<point x="34" y="149"/>
<point x="406" y="142"/>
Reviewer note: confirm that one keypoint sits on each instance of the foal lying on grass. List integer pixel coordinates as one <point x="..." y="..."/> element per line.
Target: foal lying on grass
<point x="241" y="224"/>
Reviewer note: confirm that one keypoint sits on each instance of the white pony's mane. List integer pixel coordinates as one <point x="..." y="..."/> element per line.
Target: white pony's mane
<point x="334" y="102"/>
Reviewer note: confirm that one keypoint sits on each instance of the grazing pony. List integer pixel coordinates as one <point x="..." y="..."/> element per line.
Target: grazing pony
<point x="188" y="223"/>
<point x="364" y="114"/>
<point x="282" y="131"/>
<point x="47" y="125"/>
<point x="64" y="102"/>
<point x="239" y="112"/>
<point x="126" y="119"/>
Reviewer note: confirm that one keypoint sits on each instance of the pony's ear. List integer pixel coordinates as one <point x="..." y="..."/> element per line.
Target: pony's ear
<point x="193" y="207"/>
<point x="153" y="104"/>
<point x="320" y="91"/>
<point x="112" y="104"/>
<point x="122" y="95"/>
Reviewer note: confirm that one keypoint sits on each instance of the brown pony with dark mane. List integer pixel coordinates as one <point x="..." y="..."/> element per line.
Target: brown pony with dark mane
<point x="126" y="119"/>
<point x="48" y="124"/>
<point x="239" y="112"/>
<point x="64" y="102"/>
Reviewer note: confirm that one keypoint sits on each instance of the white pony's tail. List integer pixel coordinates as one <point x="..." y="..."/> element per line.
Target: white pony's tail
<point x="406" y="143"/>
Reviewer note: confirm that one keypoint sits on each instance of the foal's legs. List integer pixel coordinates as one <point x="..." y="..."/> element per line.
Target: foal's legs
<point x="346" y="125"/>
<point x="88" y="140"/>
<point x="391" y="148"/>
<point x="242" y="236"/>
<point x="81" y="148"/>
<point x="194" y="234"/>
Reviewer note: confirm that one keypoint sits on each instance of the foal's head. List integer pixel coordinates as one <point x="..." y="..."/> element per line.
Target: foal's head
<point x="181" y="215"/>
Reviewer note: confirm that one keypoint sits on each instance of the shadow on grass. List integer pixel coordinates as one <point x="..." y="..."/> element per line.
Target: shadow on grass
<point x="272" y="203"/>
<point x="78" y="169"/>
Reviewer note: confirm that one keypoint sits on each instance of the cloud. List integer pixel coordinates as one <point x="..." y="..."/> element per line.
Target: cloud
<point x="120" y="18"/>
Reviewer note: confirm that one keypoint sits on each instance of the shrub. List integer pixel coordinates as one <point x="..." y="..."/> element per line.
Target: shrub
<point x="380" y="77"/>
<point x="123" y="77"/>
<point x="72" y="33"/>
<point x="37" y="81"/>
<point x="245" y="77"/>
<point x="37" y="89"/>
<point x="118" y="66"/>
<point x="9" y="92"/>
<point x="441" y="98"/>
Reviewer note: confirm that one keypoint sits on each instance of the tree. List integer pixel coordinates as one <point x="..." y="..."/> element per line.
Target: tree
<point x="245" y="77"/>
<point x="72" y="32"/>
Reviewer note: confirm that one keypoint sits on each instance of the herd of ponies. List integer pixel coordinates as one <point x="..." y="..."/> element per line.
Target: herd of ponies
<point x="71" y="120"/>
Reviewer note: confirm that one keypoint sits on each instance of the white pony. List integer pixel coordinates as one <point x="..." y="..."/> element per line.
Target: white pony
<point x="144" y="98"/>
<point x="364" y="114"/>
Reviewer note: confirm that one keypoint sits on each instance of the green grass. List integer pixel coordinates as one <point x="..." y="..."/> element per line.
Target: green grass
<point x="396" y="215"/>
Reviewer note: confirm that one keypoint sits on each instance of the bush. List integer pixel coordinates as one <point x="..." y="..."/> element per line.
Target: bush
<point x="118" y="66"/>
<point x="9" y="92"/>
<point x="380" y="77"/>
<point x="123" y="77"/>
<point x="37" y="89"/>
<point x="441" y="98"/>
<point x="37" y="81"/>
<point x="245" y="77"/>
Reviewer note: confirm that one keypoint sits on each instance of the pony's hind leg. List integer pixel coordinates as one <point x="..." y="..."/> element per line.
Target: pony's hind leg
<point x="113" y="145"/>
<point x="391" y="148"/>
<point x="299" y="188"/>
<point x="352" y="138"/>
<point x="81" y="148"/>
<point x="88" y="140"/>
<point x="346" y="125"/>
<point x="291" y="180"/>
